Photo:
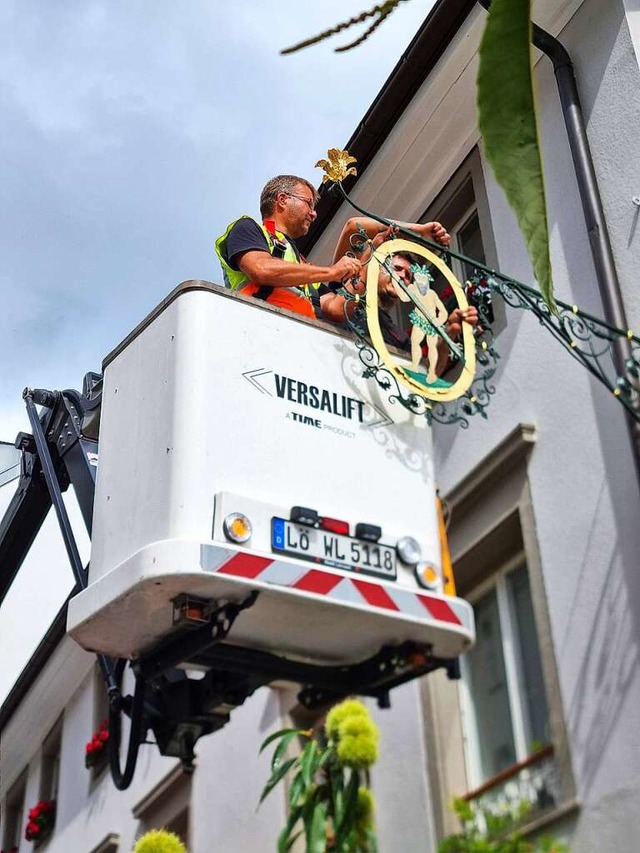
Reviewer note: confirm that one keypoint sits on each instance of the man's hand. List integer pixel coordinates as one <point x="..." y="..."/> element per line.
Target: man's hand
<point x="434" y="231"/>
<point x="345" y="269"/>
<point x="389" y="233"/>
<point x="459" y="316"/>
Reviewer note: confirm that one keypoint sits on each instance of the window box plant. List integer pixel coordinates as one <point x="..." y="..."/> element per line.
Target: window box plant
<point x="95" y="752"/>
<point x="40" y="821"/>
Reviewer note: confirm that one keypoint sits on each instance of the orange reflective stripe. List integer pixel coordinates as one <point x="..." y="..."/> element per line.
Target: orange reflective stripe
<point x="283" y="297"/>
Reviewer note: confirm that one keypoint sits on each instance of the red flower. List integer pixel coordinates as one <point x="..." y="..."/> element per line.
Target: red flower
<point x="96" y="746"/>
<point x="41" y="819"/>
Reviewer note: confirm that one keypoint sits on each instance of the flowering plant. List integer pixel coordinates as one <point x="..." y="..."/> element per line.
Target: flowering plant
<point x="40" y="820"/>
<point x="95" y="750"/>
<point x="159" y="841"/>
<point x="328" y="800"/>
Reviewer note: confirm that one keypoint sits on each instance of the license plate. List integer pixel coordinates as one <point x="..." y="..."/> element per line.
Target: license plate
<point x="333" y="549"/>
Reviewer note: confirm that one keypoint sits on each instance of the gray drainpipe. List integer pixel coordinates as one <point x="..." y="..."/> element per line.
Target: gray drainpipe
<point x="601" y="251"/>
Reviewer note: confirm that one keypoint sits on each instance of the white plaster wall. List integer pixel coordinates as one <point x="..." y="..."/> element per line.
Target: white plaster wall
<point x="226" y="818"/>
<point x="404" y="819"/>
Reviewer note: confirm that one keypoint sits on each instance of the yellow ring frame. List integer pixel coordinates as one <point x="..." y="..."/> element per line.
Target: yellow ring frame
<point x="463" y="382"/>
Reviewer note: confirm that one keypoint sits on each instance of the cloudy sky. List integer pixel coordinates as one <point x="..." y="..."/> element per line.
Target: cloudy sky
<point x="133" y="131"/>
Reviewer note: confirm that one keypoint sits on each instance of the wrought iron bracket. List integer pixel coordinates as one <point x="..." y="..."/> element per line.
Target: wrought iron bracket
<point x="591" y="341"/>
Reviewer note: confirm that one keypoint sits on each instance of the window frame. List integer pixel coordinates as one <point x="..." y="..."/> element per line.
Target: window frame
<point x="491" y="525"/>
<point x="50" y="762"/>
<point x="439" y="209"/>
<point x="14" y="813"/>
<point x="514" y="674"/>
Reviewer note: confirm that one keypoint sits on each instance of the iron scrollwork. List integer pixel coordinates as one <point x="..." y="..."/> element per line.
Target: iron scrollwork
<point x="595" y="344"/>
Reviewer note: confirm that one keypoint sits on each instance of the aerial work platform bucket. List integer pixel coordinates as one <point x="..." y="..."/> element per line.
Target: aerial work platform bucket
<point x="245" y="459"/>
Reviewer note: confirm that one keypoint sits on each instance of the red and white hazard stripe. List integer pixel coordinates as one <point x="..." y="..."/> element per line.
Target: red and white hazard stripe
<point x="348" y="589"/>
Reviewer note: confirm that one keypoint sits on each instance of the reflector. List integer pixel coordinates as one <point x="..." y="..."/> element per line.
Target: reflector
<point x="237" y="527"/>
<point x="335" y="525"/>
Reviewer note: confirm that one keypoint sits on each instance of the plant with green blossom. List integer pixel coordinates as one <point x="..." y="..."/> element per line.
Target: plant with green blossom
<point x="499" y="836"/>
<point x="328" y="800"/>
<point x="159" y="841"/>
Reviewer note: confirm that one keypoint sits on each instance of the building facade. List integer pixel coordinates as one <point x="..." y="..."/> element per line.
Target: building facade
<point x="544" y="493"/>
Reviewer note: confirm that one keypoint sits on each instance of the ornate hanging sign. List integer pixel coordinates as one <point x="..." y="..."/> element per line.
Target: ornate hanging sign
<point x="428" y="318"/>
<point x="610" y="354"/>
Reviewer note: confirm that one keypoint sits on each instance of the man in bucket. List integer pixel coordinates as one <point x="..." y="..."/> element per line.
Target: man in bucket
<point x="262" y="259"/>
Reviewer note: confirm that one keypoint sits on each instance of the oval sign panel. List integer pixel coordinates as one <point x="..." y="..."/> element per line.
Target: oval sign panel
<point x="428" y="317"/>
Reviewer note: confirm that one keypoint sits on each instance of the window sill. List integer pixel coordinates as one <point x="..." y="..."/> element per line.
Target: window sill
<point x="510" y="772"/>
<point x="548" y="817"/>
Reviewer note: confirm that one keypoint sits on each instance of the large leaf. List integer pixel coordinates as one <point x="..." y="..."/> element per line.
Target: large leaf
<point x="507" y="120"/>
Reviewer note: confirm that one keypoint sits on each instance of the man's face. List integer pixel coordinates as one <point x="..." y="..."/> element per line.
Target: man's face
<point x="401" y="270"/>
<point x="298" y="211"/>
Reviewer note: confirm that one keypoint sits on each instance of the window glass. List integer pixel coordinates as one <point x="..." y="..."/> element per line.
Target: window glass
<point x="508" y="717"/>
<point x="9" y="463"/>
<point x="13" y="815"/>
<point x="531" y="683"/>
<point x="470" y="243"/>
<point x="488" y="688"/>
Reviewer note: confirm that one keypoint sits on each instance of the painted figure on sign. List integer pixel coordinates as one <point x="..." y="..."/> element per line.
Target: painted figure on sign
<point x="425" y="323"/>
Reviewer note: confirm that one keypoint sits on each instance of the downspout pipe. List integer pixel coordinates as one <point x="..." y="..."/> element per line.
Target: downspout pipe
<point x="601" y="251"/>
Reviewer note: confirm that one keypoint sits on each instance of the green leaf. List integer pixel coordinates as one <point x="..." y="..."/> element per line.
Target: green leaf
<point x="507" y="121"/>
<point x="346" y="821"/>
<point x="317" y="829"/>
<point x="276" y="735"/>
<point x="296" y="789"/>
<point x="309" y="761"/>
<point x="281" y="748"/>
<point x="276" y="777"/>
<point x="285" y="841"/>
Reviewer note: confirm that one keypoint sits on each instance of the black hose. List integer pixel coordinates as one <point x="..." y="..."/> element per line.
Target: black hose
<point x="122" y="779"/>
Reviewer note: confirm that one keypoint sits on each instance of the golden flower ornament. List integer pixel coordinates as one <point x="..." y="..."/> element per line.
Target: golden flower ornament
<point x="337" y="167"/>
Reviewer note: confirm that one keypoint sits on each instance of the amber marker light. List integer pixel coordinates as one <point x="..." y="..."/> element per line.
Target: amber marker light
<point x="237" y="527"/>
<point x="427" y="575"/>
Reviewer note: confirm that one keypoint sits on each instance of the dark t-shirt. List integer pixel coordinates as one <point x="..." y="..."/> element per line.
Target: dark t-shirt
<point x="391" y="334"/>
<point x="246" y="236"/>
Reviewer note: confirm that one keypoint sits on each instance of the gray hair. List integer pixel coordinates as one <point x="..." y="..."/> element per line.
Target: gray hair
<point x="281" y="184"/>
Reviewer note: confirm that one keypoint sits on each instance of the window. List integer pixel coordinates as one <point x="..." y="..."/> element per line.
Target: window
<point x="9" y="463"/>
<point x="505" y="712"/>
<point x="13" y="815"/>
<point x="100" y="759"/>
<point x="497" y="737"/>
<point x="50" y="775"/>
<point x="167" y="806"/>
<point x="463" y="209"/>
